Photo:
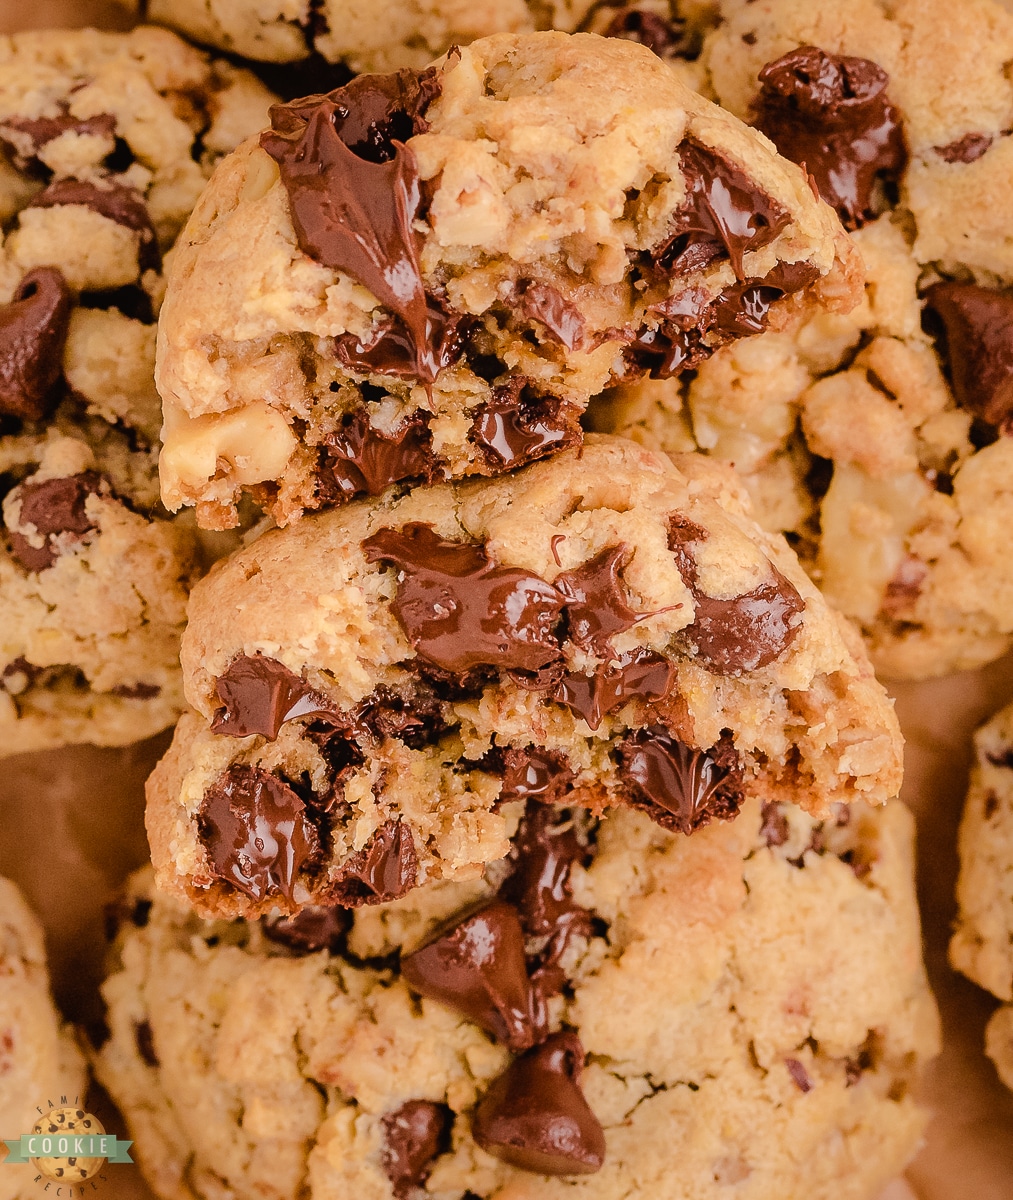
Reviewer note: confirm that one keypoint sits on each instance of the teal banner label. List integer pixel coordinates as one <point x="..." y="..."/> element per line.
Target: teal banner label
<point x="68" y="1145"/>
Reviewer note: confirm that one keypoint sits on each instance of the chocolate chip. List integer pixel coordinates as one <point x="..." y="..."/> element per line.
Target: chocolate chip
<point x="724" y="213"/>
<point x="562" y="319"/>
<point x="518" y="426"/>
<point x="832" y="113"/>
<point x="534" y="1116"/>
<point x="596" y="607"/>
<point x="977" y="328"/>
<point x="459" y="611"/>
<point x="56" y="508"/>
<point x="530" y="773"/>
<point x="904" y="588"/>
<point x="478" y="968"/>
<point x="799" y="1074"/>
<point x="33" y="330"/>
<point x="136" y="691"/>
<point x="679" y="787"/>
<point x="358" y="458"/>
<point x="259" y="694"/>
<point x="991" y="806"/>
<point x="118" y="203"/>
<point x="311" y="930"/>
<point x="414" y="1135"/>
<point x="668" y="39"/>
<point x="386" y="868"/>
<point x="27" y="135"/>
<point x="639" y="674"/>
<point x="256" y="833"/>
<point x="966" y="149"/>
<point x="775" y="830"/>
<point x="19" y="675"/>
<point x="354" y="193"/>
<point x="742" y="633"/>
<point x="145" y="1042"/>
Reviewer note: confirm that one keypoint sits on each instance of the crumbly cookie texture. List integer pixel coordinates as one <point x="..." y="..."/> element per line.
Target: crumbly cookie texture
<point x="39" y="1060"/>
<point x="378" y="685"/>
<point x="748" y="1007"/>
<point x="105" y="142"/>
<point x="879" y="440"/>
<point x="446" y="306"/>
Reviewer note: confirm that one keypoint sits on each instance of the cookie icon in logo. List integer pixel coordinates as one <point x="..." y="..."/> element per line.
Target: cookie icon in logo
<point x="58" y="1134"/>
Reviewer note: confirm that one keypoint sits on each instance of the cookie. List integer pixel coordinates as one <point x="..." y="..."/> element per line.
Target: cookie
<point x="981" y="945"/>
<point x="445" y="306"/>
<point x="39" y="1060"/>
<point x="374" y="688"/>
<point x="878" y="440"/>
<point x="611" y="1010"/>
<point x="105" y="142"/>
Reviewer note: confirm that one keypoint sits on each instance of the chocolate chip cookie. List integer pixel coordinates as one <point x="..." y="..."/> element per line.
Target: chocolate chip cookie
<point x="610" y="1010"/>
<point x="375" y="688"/>
<point x="879" y="440"/>
<point x="105" y="142"/>
<point x="427" y="274"/>
<point x="39" y="1060"/>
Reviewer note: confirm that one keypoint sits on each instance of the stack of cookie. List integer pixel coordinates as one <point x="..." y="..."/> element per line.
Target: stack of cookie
<point x="530" y="823"/>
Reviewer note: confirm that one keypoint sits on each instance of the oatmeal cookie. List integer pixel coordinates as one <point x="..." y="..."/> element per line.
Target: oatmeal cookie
<point x="611" y="1010"/>
<point x="374" y="688"/>
<point x="427" y="275"/>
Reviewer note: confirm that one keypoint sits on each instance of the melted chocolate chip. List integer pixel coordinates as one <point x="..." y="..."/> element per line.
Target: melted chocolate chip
<point x="256" y="833"/>
<point x="311" y="929"/>
<point x="479" y="969"/>
<point x="386" y="868"/>
<point x="259" y="694"/>
<point x="799" y="1075"/>
<point x="742" y="633"/>
<point x="459" y="611"/>
<point x="358" y="458"/>
<point x="832" y="113"/>
<point x="33" y="330"/>
<point x="145" y="1042"/>
<point x="966" y="149"/>
<point x="414" y="1135"/>
<point x="114" y="201"/>
<point x="562" y="319"/>
<point x="638" y="675"/>
<point x="518" y="426"/>
<point x="535" y="1117"/>
<point x="27" y="135"/>
<point x="56" y="508"/>
<point x="775" y="829"/>
<point x="668" y="39"/>
<point x="531" y="773"/>
<point x="354" y="193"/>
<point x="679" y="787"/>
<point x="724" y="213"/>
<point x="596" y="607"/>
<point x="977" y="327"/>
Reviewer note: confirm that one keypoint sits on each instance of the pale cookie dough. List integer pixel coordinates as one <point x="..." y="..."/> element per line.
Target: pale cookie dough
<point x="40" y="1064"/>
<point x="374" y="686"/>
<point x="449" y="305"/>
<point x="982" y="946"/>
<point x="105" y="143"/>
<point x="751" y="1003"/>
<point x="881" y="447"/>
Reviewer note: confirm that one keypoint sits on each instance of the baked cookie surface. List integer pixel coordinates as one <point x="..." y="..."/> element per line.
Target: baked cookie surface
<point x="746" y="1008"/>
<point x="378" y="685"/>
<point x="433" y="284"/>
<point x="879" y="440"/>
<point x="105" y="143"/>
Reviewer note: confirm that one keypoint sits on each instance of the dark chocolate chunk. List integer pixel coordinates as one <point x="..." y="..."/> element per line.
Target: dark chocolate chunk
<point x="724" y="213"/>
<point x="312" y="929"/>
<point x="531" y="773"/>
<point x="56" y="508"/>
<point x="353" y="189"/>
<point x="145" y="1042"/>
<point x="259" y="694"/>
<point x="33" y="330"/>
<point x="256" y="833"/>
<point x="27" y="135"/>
<point x="799" y="1074"/>
<point x="679" y="787"/>
<point x="638" y="675"/>
<point x="741" y="633"/>
<point x="534" y="1116"/>
<point x="977" y="331"/>
<point x="832" y="113"/>
<point x="774" y="830"/>
<point x="668" y="39"/>
<point x="966" y="149"/>
<point x="518" y="426"/>
<point x="459" y="611"/>
<point x="596" y="607"/>
<point x="384" y="869"/>
<point x="478" y="968"/>
<point x="562" y="319"/>
<point x="414" y="1135"/>
<point x="358" y="458"/>
<point x="414" y="716"/>
<point x="118" y="203"/>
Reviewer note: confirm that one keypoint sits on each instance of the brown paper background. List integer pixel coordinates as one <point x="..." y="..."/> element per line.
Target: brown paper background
<point x="72" y="828"/>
